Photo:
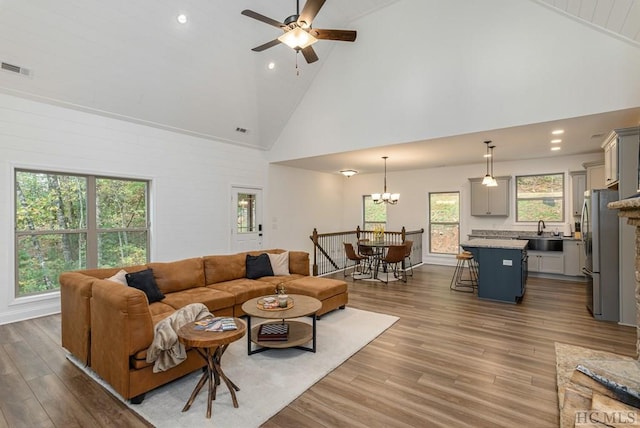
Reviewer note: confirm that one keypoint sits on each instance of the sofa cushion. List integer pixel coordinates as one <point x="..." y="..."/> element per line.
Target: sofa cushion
<point x="299" y="262"/>
<point x="244" y="289"/>
<point x="213" y="299"/>
<point x="258" y="266"/>
<point x="144" y="281"/>
<point x="320" y="288"/>
<point x="224" y="268"/>
<point x="279" y="263"/>
<point x="179" y="275"/>
<point x="276" y="280"/>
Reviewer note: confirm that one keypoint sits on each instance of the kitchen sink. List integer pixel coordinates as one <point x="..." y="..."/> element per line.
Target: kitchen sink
<point x="543" y="243"/>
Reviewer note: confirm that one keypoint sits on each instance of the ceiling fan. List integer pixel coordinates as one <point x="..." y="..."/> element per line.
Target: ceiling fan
<point x="298" y="33"/>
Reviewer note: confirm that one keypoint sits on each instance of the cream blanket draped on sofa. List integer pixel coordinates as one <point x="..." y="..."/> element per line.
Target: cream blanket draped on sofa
<point x="166" y="350"/>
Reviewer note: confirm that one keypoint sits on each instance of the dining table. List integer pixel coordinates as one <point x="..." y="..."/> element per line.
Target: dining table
<point x="378" y="252"/>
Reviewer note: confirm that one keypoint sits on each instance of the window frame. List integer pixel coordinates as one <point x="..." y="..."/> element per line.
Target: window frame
<point x="456" y="192"/>
<point x="563" y="198"/>
<point x="91" y="230"/>
<point x="364" y="214"/>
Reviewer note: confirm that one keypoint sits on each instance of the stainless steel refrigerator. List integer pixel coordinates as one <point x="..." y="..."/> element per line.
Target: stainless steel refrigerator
<point x="600" y="226"/>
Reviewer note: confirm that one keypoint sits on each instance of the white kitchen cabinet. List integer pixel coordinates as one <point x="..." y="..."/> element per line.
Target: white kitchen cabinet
<point x="611" y="161"/>
<point x="546" y="262"/>
<point x="578" y="186"/>
<point x="573" y="252"/>
<point x="490" y="201"/>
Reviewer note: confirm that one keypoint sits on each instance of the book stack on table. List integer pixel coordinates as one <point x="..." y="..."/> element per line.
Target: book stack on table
<point x="216" y="324"/>
<point x="273" y="332"/>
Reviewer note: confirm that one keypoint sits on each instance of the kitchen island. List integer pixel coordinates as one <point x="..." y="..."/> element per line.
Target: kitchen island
<point x="502" y="268"/>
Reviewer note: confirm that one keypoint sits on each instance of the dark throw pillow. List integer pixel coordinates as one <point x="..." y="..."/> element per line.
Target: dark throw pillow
<point x="144" y="281"/>
<point x="258" y="266"/>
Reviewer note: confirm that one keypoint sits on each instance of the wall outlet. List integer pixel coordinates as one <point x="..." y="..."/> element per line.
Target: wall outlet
<point x="507" y="263"/>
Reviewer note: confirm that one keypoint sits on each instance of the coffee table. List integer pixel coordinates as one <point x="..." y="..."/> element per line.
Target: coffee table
<point x="211" y="345"/>
<point x="299" y="332"/>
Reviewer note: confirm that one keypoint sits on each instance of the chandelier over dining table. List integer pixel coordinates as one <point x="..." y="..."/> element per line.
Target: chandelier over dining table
<point x="385" y="197"/>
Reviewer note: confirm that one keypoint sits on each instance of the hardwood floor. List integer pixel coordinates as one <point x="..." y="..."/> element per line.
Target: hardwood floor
<point x="451" y="360"/>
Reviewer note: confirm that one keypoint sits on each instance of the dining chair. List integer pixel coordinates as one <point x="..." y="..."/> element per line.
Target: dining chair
<point x="394" y="257"/>
<point x="359" y="265"/>
<point x="408" y="245"/>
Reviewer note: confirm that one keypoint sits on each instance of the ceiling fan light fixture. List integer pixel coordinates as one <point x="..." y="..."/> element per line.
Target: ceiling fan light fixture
<point x="297" y="38"/>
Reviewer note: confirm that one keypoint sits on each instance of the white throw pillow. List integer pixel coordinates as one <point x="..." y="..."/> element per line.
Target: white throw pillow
<point x="119" y="277"/>
<point x="279" y="263"/>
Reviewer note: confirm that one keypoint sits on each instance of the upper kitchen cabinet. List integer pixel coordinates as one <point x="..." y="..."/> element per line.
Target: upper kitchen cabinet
<point x="578" y="186"/>
<point x="595" y="175"/>
<point x="611" y="148"/>
<point x="490" y="201"/>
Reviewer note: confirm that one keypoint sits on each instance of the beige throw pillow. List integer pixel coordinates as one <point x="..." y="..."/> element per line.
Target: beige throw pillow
<point x="279" y="263"/>
<point x="119" y="277"/>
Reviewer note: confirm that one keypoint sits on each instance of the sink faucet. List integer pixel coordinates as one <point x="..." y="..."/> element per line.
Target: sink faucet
<point x="541" y="226"/>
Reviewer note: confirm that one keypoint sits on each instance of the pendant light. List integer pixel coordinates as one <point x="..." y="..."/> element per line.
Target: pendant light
<point x="386" y="197"/>
<point x="487" y="178"/>
<point x="492" y="182"/>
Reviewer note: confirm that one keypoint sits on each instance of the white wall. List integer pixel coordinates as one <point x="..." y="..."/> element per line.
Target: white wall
<point x="191" y="181"/>
<point x="301" y="200"/>
<point x="423" y="69"/>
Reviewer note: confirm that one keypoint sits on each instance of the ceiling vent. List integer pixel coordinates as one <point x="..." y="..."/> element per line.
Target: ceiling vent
<point x="598" y="135"/>
<point x="15" y="69"/>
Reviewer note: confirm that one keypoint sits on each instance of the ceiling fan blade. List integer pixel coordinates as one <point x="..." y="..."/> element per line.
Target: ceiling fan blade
<point x="309" y="11"/>
<point x="309" y="54"/>
<point x="267" y="45"/>
<point x="262" y="18"/>
<point x="340" y="35"/>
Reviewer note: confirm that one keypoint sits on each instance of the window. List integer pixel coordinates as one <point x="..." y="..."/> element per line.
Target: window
<point x="444" y="222"/>
<point x="66" y="222"/>
<point x="374" y="214"/>
<point x="540" y="197"/>
<point x="246" y="212"/>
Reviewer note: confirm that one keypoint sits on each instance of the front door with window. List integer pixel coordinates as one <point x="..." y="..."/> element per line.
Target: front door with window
<point x="246" y="219"/>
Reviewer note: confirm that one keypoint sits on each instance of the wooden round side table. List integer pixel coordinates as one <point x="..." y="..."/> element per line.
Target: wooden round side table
<point x="211" y="346"/>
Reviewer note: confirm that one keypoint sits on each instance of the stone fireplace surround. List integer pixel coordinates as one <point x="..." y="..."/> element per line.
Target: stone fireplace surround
<point x="583" y="401"/>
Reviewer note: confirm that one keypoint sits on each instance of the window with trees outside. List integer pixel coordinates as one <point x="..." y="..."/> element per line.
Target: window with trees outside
<point x="540" y="197"/>
<point x="444" y="222"/>
<point x="69" y="221"/>
<point x="374" y="214"/>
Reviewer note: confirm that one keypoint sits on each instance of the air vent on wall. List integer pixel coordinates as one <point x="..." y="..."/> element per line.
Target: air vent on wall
<point x="15" y="69"/>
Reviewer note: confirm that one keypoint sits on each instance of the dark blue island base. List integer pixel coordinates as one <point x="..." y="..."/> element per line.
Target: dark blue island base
<point x="502" y="268"/>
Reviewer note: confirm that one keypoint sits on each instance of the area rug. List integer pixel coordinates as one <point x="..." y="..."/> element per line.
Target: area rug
<point x="268" y="381"/>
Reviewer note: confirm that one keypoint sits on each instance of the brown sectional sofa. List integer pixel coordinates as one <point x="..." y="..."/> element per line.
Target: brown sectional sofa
<point x="109" y="326"/>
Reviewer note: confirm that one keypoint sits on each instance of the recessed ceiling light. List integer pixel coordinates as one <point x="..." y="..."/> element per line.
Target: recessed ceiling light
<point x="271" y="65"/>
<point x="555" y="149"/>
<point x="556" y="141"/>
<point x="182" y="18"/>
<point x="558" y="132"/>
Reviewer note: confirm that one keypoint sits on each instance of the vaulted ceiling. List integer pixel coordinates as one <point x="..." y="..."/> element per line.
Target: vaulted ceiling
<point x="133" y="60"/>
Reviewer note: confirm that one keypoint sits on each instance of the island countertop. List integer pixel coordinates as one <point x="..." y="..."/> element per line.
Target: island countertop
<point x="514" y="244"/>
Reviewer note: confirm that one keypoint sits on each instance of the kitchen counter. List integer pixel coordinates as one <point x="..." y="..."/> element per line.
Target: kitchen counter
<point x="513" y="244"/>
<point x="502" y="268"/>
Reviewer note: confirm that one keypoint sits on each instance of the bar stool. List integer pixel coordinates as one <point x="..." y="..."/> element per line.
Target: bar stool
<point x="458" y="283"/>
